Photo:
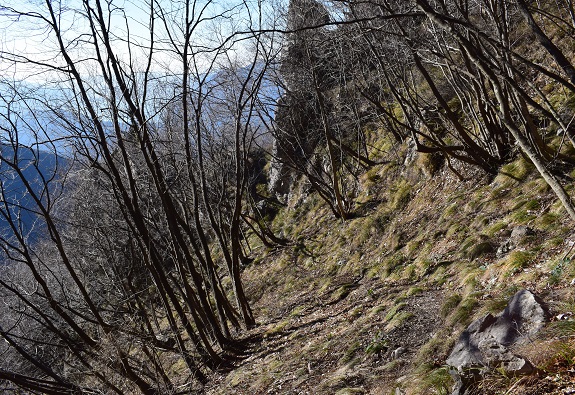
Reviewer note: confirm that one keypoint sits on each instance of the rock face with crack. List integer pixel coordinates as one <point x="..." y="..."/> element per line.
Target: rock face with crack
<point x="486" y="343"/>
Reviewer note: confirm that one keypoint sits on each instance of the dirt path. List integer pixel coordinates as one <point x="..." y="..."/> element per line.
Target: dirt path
<point x="357" y="337"/>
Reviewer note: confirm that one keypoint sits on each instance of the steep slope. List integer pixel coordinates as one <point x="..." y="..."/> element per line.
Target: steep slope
<point x="376" y="303"/>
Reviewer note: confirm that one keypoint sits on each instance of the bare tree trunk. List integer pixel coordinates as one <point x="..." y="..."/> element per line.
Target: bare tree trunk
<point x="504" y="115"/>
<point x="546" y="42"/>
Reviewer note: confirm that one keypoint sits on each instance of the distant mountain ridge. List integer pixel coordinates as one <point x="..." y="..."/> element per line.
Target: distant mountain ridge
<point x="40" y="170"/>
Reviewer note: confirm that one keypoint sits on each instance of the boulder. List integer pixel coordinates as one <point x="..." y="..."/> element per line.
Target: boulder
<point x="505" y="248"/>
<point x="486" y="343"/>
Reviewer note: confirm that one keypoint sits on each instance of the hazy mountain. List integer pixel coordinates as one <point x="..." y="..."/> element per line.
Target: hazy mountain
<point x="19" y="167"/>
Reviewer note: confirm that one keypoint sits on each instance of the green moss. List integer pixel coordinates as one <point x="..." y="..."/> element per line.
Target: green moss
<point x="456" y="230"/>
<point x="532" y="204"/>
<point x="377" y="309"/>
<point x="529" y="204"/>
<point x="394" y="310"/>
<point x="481" y="221"/>
<point x="396" y="241"/>
<point x="409" y="273"/>
<point x="451" y="210"/>
<point x="395" y="261"/>
<point x="413" y="291"/>
<point x="350" y="391"/>
<point x="381" y="220"/>
<point x="372" y="175"/>
<point x="342" y="292"/>
<point x="356" y="312"/>
<point x="471" y="280"/>
<point x="496" y="228"/>
<point x="398" y="319"/>
<point x="518" y="260"/>
<point x="522" y="216"/>
<point x="413" y="246"/>
<point x="436" y="348"/>
<point x="517" y="170"/>
<point x="365" y="233"/>
<point x="554" y="242"/>
<point x="439" y="276"/>
<point x="495" y="305"/>
<point x="429" y="164"/>
<point x="437" y="381"/>
<point x="391" y="366"/>
<point x="500" y="192"/>
<point x="348" y="355"/>
<point x="548" y="221"/>
<point x="478" y="249"/>
<point x="297" y="311"/>
<point x="279" y="327"/>
<point x="378" y="344"/>
<point x="540" y="186"/>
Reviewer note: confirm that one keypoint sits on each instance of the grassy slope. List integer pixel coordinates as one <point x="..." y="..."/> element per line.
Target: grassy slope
<point x="375" y="303"/>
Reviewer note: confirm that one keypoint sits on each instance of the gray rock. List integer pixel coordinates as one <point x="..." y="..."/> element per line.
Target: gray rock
<point x="466" y="352"/>
<point x="523" y="317"/>
<point x="518" y="366"/>
<point x="294" y="142"/>
<point x="520" y="232"/>
<point x="280" y="176"/>
<point x="485" y="344"/>
<point x="398" y="352"/>
<point x="505" y="248"/>
<point x="497" y="355"/>
<point x="411" y="153"/>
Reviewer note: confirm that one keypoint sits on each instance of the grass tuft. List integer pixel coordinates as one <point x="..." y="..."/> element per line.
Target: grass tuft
<point x="462" y="314"/>
<point x="518" y="260"/>
<point x="450" y="304"/>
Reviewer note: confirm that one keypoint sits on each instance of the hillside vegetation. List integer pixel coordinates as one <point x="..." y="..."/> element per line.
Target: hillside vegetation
<point x="311" y="197"/>
<point x="408" y="274"/>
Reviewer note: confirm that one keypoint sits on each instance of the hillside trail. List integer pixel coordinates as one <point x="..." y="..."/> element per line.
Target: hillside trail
<point x="358" y="336"/>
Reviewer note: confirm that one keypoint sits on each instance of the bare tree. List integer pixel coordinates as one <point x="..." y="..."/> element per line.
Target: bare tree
<point x="137" y="232"/>
<point x="494" y="58"/>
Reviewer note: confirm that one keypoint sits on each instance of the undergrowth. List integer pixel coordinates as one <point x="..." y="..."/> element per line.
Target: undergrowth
<point x="344" y="293"/>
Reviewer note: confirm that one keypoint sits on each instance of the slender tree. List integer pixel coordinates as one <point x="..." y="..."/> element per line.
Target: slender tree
<point x="128" y="239"/>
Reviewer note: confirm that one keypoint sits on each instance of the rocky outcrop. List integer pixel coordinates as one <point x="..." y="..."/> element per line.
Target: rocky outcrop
<point x="486" y="343"/>
<point x="280" y="175"/>
<point x="295" y="140"/>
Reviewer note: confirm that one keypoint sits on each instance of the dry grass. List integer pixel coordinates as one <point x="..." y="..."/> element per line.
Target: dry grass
<point x="416" y="267"/>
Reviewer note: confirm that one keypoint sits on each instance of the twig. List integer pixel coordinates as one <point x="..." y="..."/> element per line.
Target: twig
<point x="515" y="385"/>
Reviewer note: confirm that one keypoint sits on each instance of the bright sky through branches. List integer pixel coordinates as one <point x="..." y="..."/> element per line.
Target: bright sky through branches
<point x="143" y="36"/>
<point x="28" y="44"/>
